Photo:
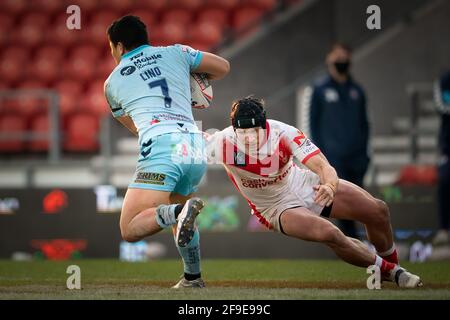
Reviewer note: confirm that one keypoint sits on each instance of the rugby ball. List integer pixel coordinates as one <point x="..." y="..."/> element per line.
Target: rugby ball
<point x="201" y="91"/>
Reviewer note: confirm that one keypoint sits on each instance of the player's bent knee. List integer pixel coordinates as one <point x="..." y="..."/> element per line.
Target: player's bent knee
<point x="126" y="235"/>
<point x="382" y="212"/>
<point x="331" y="235"/>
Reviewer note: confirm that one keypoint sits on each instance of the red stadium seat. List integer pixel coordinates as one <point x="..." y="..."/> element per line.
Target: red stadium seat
<point x="69" y="95"/>
<point x="79" y="69"/>
<point x="49" y="6"/>
<point x="222" y="4"/>
<point x="154" y="5"/>
<point x="205" y="32"/>
<point x="28" y="35"/>
<point x="94" y="100"/>
<point x="4" y="39"/>
<point x="15" y="52"/>
<point x="168" y="34"/>
<point x="82" y="133"/>
<point x="6" y="22"/>
<point x="245" y="17"/>
<point x="265" y="5"/>
<point x="96" y="30"/>
<point x="89" y="52"/>
<point x="13" y="7"/>
<point x="40" y="125"/>
<point x="36" y="19"/>
<point x="106" y="17"/>
<point x="105" y="66"/>
<point x="11" y="69"/>
<point x="12" y="124"/>
<point x="187" y="4"/>
<point x="58" y="34"/>
<point x="417" y="175"/>
<point x="82" y="63"/>
<point x="214" y="15"/>
<point x="45" y="69"/>
<point x="29" y="105"/>
<point x="148" y="17"/>
<point x="6" y="27"/>
<point x="87" y="6"/>
<point x="118" y="5"/>
<point x="180" y="16"/>
<point x="51" y="52"/>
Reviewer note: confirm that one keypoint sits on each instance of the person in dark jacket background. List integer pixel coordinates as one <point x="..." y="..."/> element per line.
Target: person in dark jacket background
<point x="338" y="121"/>
<point x="442" y="98"/>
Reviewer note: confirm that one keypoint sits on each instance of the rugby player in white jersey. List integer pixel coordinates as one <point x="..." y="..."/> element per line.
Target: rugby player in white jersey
<point x="258" y="153"/>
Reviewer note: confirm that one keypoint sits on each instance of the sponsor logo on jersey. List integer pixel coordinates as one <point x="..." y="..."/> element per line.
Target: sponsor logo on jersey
<point x="172" y="117"/>
<point x="137" y="56"/>
<point x="262" y="183"/>
<point x="146" y="61"/>
<point x="126" y="71"/>
<point x="150" y="178"/>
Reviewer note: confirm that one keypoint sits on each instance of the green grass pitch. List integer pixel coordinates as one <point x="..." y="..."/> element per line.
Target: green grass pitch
<point x="225" y="279"/>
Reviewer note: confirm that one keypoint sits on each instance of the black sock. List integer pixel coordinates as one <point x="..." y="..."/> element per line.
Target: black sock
<point x="178" y="209"/>
<point x="191" y="277"/>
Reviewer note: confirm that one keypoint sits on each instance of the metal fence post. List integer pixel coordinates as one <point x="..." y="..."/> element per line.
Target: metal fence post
<point x="106" y="149"/>
<point x="54" y="132"/>
<point x="414" y="124"/>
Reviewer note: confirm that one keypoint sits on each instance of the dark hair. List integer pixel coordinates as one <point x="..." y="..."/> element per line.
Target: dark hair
<point x="246" y="109"/>
<point x="340" y="45"/>
<point x="130" y="31"/>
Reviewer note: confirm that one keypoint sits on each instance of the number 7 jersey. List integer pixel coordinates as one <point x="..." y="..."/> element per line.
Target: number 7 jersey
<point x="151" y="85"/>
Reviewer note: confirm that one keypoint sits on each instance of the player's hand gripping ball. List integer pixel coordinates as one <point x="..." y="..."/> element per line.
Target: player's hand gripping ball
<point x="201" y="91"/>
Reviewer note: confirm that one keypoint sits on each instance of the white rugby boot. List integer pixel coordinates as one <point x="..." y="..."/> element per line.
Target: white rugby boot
<point x="183" y="283"/>
<point x="186" y="221"/>
<point x="405" y="279"/>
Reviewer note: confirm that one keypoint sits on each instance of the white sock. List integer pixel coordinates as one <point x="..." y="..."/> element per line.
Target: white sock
<point x="378" y="261"/>
<point x="165" y="215"/>
<point x="387" y="252"/>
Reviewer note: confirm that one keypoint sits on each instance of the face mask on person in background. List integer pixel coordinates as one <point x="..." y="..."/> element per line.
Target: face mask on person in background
<point x="342" y="67"/>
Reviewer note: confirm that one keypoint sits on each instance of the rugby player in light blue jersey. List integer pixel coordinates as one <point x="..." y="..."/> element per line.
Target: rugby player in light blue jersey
<point x="149" y="93"/>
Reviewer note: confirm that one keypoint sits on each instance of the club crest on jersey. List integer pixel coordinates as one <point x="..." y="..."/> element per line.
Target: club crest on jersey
<point x="126" y="71"/>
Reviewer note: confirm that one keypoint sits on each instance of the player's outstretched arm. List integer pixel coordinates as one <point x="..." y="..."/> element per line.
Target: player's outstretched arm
<point x="128" y="123"/>
<point x="216" y="67"/>
<point x="329" y="180"/>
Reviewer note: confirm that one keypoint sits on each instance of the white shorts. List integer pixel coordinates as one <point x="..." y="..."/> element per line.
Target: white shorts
<point x="300" y="194"/>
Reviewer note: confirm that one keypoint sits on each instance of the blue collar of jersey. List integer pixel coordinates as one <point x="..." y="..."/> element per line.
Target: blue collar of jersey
<point x="130" y="53"/>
